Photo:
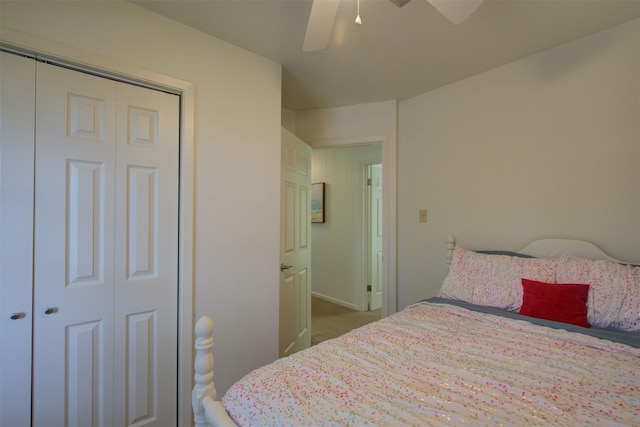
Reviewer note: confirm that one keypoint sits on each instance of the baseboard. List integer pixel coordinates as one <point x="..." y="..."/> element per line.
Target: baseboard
<point x="336" y="301"/>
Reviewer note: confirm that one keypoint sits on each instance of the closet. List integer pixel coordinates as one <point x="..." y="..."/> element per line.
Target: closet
<point x="88" y="249"/>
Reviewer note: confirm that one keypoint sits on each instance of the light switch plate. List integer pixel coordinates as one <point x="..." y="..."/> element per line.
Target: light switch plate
<point x="423" y="215"/>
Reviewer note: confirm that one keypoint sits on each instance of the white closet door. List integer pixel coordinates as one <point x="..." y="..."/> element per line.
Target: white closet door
<point x="146" y="257"/>
<point x="105" y="334"/>
<point x="74" y="249"/>
<point x="17" y="96"/>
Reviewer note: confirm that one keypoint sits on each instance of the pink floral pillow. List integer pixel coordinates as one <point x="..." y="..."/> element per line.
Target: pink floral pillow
<point x="493" y="280"/>
<point x="614" y="292"/>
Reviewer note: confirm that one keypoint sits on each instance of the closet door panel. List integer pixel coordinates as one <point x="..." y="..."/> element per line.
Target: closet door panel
<point x="74" y="248"/>
<point x="17" y="97"/>
<point x="146" y="256"/>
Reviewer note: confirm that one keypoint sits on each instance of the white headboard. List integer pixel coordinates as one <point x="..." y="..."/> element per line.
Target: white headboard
<point x="551" y="248"/>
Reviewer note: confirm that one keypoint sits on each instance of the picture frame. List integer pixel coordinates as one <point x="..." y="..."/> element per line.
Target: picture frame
<point x="317" y="202"/>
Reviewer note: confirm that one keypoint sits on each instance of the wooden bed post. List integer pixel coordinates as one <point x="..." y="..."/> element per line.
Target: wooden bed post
<point x="451" y="244"/>
<point x="203" y="377"/>
<point x="207" y="411"/>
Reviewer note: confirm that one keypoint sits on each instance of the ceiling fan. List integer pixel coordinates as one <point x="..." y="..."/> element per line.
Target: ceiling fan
<point x="323" y="13"/>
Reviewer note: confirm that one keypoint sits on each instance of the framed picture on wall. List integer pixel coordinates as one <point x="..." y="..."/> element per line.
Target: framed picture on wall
<point x="317" y="202"/>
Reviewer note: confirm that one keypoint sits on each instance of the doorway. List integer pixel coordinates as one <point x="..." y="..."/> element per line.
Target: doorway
<point x="341" y="245"/>
<point x="389" y="225"/>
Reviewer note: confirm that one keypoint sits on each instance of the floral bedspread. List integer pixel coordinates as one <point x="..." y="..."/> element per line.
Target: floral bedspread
<point x="435" y="364"/>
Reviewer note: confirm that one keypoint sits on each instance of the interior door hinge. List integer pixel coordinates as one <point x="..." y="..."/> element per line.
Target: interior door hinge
<point x="368" y="288"/>
<point x="368" y="181"/>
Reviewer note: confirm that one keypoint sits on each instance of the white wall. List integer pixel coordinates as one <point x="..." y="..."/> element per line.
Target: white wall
<point x="237" y="165"/>
<point x="548" y="146"/>
<point x="288" y="118"/>
<point x="337" y="245"/>
<point x="376" y="118"/>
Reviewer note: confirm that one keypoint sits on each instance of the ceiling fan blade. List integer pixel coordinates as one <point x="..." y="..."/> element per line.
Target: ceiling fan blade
<point x="320" y="25"/>
<point x="456" y="11"/>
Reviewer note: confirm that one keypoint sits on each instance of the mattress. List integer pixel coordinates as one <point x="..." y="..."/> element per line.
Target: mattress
<point x="435" y="363"/>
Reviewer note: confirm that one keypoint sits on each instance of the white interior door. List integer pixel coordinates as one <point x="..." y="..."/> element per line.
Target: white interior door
<point x="17" y="109"/>
<point x="375" y="235"/>
<point x="146" y="261"/>
<point x="104" y="337"/>
<point x="295" y="245"/>
<point x="74" y="249"/>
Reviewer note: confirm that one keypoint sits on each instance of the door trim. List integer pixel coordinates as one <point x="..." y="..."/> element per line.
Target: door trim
<point x="29" y="45"/>
<point x="389" y="224"/>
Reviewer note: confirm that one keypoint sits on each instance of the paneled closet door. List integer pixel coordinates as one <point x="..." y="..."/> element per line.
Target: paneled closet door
<point x="73" y="359"/>
<point x="17" y="96"/>
<point x="146" y="307"/>
<point x="105" y="322"/>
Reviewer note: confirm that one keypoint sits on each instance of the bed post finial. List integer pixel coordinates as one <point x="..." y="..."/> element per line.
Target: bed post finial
<point x="204" y="369"/>
<point x="451" y="244"/>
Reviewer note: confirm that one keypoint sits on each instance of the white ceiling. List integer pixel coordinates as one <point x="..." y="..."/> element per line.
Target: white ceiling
<point x="396" y="53"/>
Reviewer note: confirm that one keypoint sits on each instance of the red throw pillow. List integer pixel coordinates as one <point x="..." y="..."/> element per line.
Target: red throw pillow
<point x="561" y="302"/>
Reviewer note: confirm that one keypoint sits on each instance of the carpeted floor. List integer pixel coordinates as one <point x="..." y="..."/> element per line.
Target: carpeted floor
<point x="329" y="320"/>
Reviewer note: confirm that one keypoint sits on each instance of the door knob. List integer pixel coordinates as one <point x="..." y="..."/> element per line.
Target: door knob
<point x="51" y="310"/>
<point x="16" y="316"/>
<point x="285" y="267"/>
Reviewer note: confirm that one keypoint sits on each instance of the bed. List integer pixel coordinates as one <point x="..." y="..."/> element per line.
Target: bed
<point x="548" y="335"/>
